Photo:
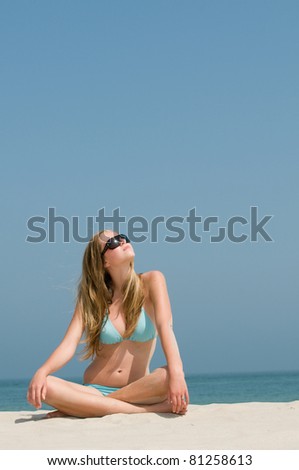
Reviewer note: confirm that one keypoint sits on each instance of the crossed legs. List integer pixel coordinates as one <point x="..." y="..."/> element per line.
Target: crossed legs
<point x="147" y="394"/>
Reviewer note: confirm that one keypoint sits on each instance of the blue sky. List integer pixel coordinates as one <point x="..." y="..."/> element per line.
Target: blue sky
<point x="154" y="108"/>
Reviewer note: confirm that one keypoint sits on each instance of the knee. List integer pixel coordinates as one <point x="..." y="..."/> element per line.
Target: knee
<point x="162" y="373"/>
<point x="51" y="386"/>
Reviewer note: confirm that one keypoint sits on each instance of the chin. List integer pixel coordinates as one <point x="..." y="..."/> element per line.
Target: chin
<point x="130" y="254"/>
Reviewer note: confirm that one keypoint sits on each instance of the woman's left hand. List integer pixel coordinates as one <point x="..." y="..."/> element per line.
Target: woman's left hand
<point x="178" y="393"/>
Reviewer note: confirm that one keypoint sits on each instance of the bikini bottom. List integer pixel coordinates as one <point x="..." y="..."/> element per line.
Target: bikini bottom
<point x="103" y="388"/>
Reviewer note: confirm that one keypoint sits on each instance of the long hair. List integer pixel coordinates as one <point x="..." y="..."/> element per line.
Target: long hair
<point x="95" y="292"/>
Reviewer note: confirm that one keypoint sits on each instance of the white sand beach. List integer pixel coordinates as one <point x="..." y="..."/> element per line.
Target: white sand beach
<point x="256" y="426"/>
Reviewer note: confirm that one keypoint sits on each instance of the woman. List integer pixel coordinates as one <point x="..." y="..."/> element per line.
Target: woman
<point x="120" y="313"/>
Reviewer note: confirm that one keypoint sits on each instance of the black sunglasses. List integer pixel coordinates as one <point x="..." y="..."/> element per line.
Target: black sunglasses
<point x="114" y="242"/>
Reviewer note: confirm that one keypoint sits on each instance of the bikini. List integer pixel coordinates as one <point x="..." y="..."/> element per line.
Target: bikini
<point x="144" y="331"/>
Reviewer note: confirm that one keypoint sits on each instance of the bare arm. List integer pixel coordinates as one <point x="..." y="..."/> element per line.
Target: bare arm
<point x="60" y="356"/>
<point x="164" y="322"/>
<point x="67" y="348"/>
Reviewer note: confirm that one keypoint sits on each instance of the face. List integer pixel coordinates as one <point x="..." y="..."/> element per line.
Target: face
<point x="123" y="252"/>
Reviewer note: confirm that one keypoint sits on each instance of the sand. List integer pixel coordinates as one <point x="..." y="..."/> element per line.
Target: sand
<point x="255" y="426"/>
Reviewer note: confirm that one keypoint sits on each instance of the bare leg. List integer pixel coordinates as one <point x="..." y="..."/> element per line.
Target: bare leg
<point x="75" y="386"/>
<point x="148" y="390"/>
<point x="75" y="402"/>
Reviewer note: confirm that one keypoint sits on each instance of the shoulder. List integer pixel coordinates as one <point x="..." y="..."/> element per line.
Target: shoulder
<point x="152" y="280"/>
<point x="157" y="297"/>
<point x="152" y="276"/>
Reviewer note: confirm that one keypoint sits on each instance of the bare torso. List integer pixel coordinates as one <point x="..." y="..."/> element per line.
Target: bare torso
<point x="117" y="365"/>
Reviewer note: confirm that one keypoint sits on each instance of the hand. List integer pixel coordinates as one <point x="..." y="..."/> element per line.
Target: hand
<point x="37" y="389"/>
<point x="178" y="393"/>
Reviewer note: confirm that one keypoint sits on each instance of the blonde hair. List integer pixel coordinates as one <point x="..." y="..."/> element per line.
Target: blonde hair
<point x="95" y="292"/>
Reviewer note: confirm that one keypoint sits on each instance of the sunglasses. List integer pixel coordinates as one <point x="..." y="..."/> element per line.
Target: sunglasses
<point x="114" y="242"/>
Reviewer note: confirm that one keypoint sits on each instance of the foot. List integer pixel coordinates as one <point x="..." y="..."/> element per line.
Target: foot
<point x="165" y="407"/>
<point x="56" y="414"/>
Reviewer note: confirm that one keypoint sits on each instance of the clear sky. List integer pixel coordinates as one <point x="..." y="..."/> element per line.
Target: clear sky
<point x="155" y="108"/>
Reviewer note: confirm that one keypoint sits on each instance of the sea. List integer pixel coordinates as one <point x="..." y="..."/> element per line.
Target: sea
<point x="203" y="389"/>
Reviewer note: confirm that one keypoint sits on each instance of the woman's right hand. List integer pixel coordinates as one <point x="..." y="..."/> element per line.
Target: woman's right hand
<point x="37" y="389"/>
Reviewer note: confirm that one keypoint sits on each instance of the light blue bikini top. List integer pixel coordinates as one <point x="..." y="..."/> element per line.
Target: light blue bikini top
<point x="143" y="332"/>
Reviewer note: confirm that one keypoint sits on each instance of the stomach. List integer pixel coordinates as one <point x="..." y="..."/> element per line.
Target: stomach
<point x="117" y="365"/>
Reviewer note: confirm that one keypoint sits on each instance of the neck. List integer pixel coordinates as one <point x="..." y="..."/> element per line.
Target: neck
<point x="118" y="276"/>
